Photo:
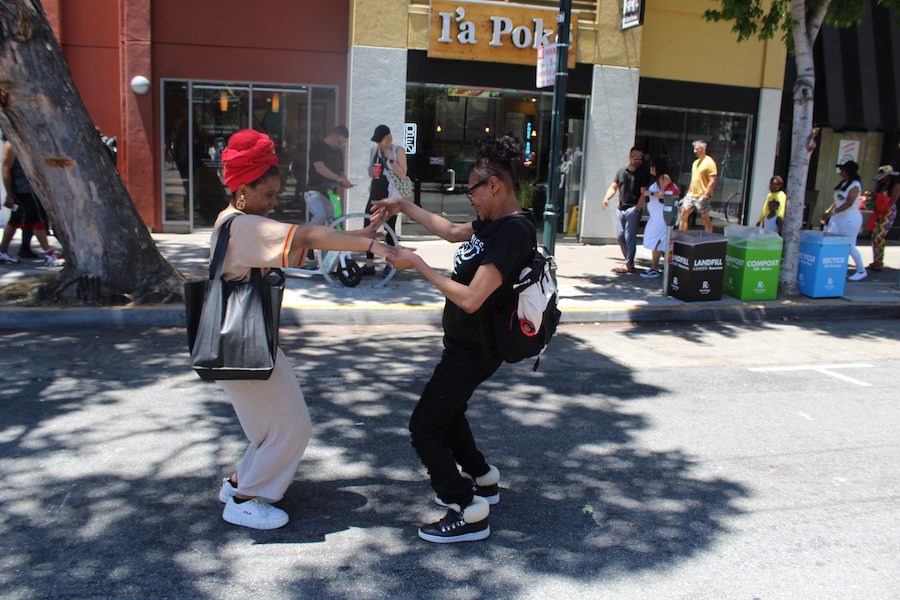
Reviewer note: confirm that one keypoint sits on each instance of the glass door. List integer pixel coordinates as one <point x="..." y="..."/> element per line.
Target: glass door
<point x="199" y="117"/>
<point x="218" y="112"/>
<point x="669" y="133"/>
<point x="284" y="115"/>
<point x="451" y="119"/>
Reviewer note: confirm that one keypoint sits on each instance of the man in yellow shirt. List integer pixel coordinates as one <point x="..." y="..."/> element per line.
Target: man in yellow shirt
<point x="703" y="181"/>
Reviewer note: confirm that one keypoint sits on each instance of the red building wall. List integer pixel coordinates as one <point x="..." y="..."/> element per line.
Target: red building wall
<point x="107" y="42"/>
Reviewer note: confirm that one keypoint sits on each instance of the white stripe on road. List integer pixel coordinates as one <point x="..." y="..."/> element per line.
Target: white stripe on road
<point x="823" y="369"/>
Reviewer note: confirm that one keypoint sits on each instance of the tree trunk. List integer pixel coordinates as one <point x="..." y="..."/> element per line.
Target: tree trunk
<point x="804" y="32"/>
<point x="110" y="256"/>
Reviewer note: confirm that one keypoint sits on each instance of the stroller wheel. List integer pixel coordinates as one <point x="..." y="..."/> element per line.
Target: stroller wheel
<point x="349" y="272"/>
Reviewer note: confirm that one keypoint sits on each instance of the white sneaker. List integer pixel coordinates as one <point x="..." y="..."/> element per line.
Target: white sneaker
<point x="6" y="258"/>
<point x="227" y="491"/>
<point x="858" y="276"/>
<point x="52" y="259"/>
<point x="254" y="514"/>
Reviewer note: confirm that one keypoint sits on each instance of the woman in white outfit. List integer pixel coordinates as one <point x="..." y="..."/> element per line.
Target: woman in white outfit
<point x="655" y="229"/>
<point x="843" y="216"/>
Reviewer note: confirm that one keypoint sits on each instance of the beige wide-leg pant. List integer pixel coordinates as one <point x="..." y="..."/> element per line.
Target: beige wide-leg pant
<point x="275" y="419"/>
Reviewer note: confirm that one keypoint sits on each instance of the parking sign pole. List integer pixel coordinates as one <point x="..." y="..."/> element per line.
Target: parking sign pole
<point x="557" y="122"/>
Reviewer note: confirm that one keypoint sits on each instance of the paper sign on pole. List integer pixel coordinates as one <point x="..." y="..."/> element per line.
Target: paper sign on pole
<point x="546" y="65"/>
<point x="848" y="150"/>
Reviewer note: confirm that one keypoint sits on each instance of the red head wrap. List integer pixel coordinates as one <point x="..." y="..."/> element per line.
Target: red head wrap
<point x="249" y="154"/>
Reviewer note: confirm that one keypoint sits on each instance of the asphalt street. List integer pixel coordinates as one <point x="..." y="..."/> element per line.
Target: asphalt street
<point x="701" y="461"/>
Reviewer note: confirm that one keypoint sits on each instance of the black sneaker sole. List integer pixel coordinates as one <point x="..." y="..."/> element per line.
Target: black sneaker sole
<point x="473" y="536"/>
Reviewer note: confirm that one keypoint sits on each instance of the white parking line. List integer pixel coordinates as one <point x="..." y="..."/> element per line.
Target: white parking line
<point x="823" y="369"/>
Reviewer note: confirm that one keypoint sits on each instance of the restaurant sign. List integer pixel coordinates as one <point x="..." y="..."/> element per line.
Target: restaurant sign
<point x="492" y="31"/>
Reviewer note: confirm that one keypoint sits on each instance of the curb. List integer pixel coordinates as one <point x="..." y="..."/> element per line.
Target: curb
<point x="399" y="314"/>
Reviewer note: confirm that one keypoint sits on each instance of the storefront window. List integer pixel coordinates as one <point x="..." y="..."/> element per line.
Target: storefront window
<point x="669" y="132"/>
<point x="176" y="154"/>
<point x="198" y="119"/>
<point x="451" y="119"/>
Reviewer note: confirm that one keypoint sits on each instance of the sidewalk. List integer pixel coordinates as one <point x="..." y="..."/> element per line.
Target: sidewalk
<point x="590" y="292"/>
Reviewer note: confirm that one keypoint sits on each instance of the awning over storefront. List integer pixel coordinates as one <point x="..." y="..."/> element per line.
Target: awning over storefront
<point x="857" y="81"/>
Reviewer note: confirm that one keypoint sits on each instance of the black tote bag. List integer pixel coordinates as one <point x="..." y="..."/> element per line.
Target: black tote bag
<point x="232" y="327"/>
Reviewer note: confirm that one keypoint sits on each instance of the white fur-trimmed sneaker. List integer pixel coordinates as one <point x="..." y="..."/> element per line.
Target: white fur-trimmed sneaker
<point x="468" y="524"/>
<point x="227" y="490"/>
<point x="255" y="514"/>
<point x="487" y="486"/>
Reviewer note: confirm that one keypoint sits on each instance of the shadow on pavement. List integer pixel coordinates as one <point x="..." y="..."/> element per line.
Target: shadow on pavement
<point x="112" y="455"/>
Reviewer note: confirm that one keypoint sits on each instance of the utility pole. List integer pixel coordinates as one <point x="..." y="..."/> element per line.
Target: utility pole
<point x="557" y="122"/>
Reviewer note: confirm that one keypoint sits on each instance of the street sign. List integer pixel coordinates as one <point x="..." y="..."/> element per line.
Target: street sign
<point x="409" y="137"/>
<point x="546" y="65"/>
<point x="632" y="13"/>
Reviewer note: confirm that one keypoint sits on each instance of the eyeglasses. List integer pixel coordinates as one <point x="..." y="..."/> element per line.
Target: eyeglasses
<point x="475" y="185"/>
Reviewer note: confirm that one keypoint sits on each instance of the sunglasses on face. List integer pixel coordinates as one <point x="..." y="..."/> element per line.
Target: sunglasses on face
<point x="475" y="185"/>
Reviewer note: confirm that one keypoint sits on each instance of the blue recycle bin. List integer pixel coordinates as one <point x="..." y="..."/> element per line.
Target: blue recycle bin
<point x="823" y="264"/>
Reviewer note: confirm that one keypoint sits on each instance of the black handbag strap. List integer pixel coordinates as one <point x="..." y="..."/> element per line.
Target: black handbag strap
<point x="218" y="258"/>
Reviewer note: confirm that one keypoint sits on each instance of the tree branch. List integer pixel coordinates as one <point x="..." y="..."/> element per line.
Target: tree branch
<point x="814" y="23"/>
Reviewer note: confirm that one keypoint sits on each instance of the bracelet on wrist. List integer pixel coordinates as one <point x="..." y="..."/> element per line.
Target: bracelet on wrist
<point x="371" y="244"/>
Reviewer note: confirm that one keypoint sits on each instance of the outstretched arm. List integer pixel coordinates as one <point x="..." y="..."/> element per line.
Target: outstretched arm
<point x="439" y="226"/>
<point x="327" y="238"/>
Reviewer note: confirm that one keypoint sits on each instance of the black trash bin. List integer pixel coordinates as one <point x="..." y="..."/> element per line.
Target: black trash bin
<point x="698" y="266"/>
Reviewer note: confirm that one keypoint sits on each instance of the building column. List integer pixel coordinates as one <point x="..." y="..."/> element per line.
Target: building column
<point x="610" y="136"/>
<point x="136" y="143"/>
<point x="376" y="94"/>
<point x="764" y="152"/>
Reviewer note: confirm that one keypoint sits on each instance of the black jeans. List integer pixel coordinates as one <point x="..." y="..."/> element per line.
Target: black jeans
<point x="440" y="431"/>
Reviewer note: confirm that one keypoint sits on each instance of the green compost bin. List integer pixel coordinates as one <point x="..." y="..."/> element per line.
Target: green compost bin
<point x="752" y="263"/>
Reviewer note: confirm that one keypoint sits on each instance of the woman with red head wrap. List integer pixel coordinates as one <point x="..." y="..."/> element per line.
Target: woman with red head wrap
<point x="272" y="413"/>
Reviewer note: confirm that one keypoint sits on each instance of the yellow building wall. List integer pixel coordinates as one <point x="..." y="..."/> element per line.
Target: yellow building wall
<point x="396" y="24"/>
<point x="678" y="43"/>
<point x="675" y="42"/>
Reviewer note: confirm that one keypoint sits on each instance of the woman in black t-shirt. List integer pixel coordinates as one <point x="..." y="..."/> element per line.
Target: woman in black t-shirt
<point x="496" y="247"/>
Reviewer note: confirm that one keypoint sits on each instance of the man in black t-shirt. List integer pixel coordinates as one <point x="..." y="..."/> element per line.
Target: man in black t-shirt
<point x="326" y="172"/>
<point x="631" y="183"/>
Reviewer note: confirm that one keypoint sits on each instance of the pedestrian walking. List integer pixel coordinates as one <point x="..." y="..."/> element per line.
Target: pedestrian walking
<point x="386" y="159"/>
<point x="655" y="231"/>
<point x="497" y="244"/>
<point x="27" y="213"/>
<point x="843" y="216"/>
<point x="887" y="194"/>
<point x="272" y="412"/>
<point x="631" y="183"/>
<point x="704" y="175"/>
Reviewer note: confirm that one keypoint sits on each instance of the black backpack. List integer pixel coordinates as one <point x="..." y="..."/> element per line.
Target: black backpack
<point x="520" y="326"/>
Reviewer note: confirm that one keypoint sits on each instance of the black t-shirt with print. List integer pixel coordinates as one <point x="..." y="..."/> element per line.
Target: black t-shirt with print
<point x="333" y="158"/>
<point x="506" y="243"/>
<point x="630" y="184"/>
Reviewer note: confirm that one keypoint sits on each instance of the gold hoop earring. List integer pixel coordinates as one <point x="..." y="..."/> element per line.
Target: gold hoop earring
<point x="241" y="203"/>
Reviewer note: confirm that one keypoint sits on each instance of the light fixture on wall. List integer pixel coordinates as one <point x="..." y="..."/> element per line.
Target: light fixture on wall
<point x="140" y="85"/>
<point x="438" y="128"/>
<point x="276" y="102"/>
<point x="223" y="101"/>
<point x="487" y="128"/>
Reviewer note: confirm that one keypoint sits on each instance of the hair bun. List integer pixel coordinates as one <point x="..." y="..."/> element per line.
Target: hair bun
<point x="504" y="149"/>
